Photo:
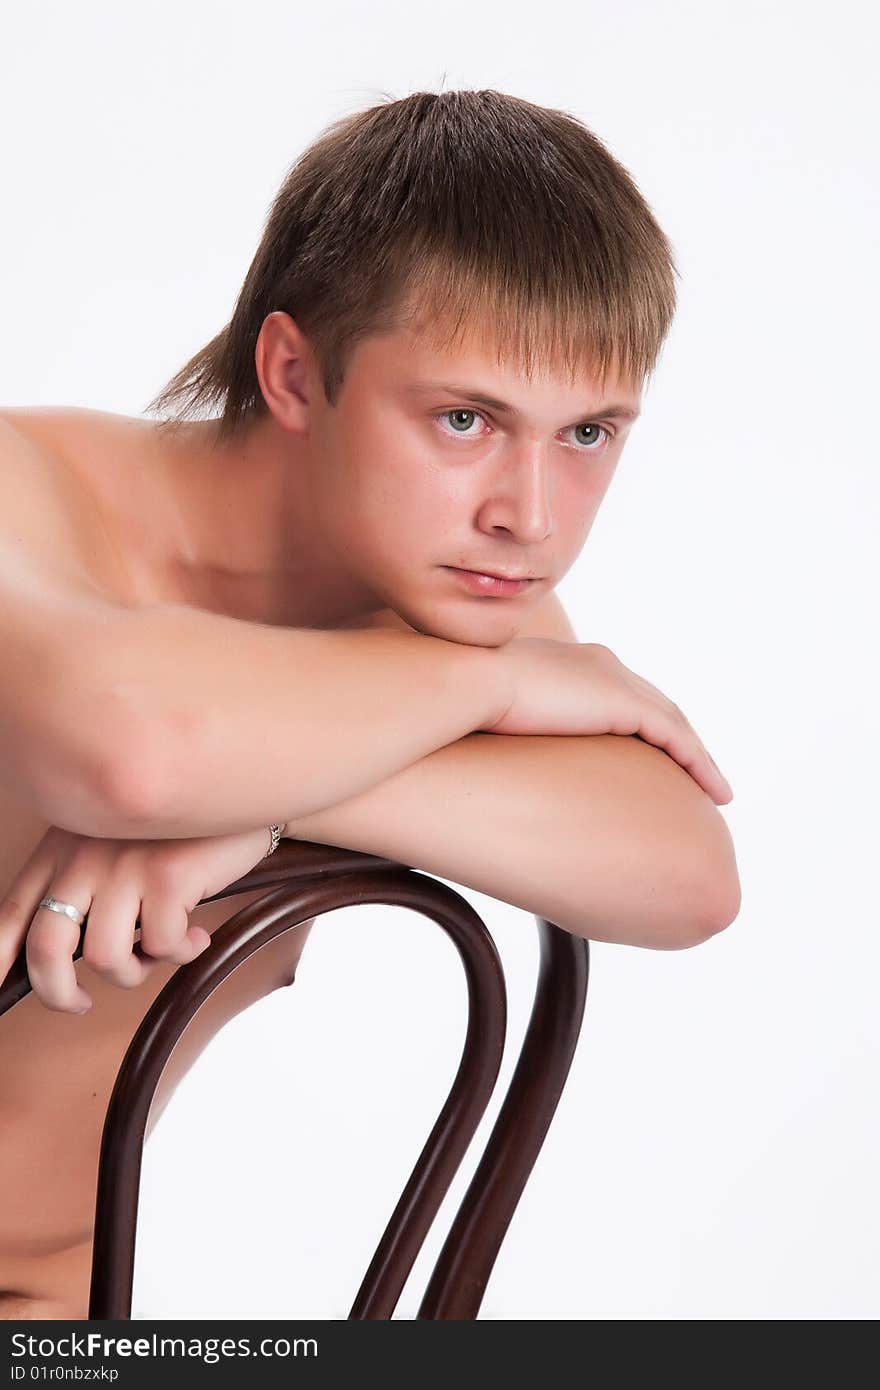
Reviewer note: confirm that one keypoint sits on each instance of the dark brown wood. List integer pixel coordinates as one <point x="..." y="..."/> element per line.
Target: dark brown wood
<point x="305" y="881"/>
<point x="293" y="859"/>
<point x="460" y="1276"/>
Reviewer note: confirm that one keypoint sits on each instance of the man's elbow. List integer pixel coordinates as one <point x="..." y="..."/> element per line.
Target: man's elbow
<point x="668" y="879"/>
<point x="669" y="905"/>
<point x="719" y="897"/>
<point x="132" y="786"/>
<point x="690" y="897"/>
<point x="701" y="875"/>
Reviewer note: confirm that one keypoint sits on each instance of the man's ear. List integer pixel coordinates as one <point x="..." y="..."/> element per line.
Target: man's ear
<point x="287" y="371"/>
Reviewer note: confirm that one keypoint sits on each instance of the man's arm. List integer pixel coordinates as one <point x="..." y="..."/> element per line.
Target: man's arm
<point x="606" y="836"/>
<point x="168" y="721"/>
<point x="165" y="721"/>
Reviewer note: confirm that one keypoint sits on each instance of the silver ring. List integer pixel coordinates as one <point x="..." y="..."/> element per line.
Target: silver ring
<point x="55" y="905"/>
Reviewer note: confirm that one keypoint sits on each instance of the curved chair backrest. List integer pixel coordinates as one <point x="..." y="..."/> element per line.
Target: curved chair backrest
<point x="303" y="881"/>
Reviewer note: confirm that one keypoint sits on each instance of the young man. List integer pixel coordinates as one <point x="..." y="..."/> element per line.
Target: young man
<point x="283" y="614"/>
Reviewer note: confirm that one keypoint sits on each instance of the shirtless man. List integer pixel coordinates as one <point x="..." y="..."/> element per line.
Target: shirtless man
<point x="180" y="612"/>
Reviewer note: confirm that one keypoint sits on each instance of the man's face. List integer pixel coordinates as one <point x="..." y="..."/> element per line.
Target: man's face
<point x="412" y="478"/>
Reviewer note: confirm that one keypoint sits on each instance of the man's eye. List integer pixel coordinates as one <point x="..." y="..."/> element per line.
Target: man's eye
<point x="459" y="426"/>
<point x="595" y="448"/>
<point x="461" y="420"/>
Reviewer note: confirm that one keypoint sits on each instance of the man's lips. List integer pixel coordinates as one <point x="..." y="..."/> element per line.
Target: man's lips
<point x="479" y="582"/>
<point x="498" y="574"/>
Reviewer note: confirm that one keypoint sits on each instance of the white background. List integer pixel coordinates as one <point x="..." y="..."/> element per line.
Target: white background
<point x="715" y="1152"/>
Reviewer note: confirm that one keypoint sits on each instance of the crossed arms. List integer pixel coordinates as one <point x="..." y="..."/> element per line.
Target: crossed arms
<point x="606" y="836"/>
<point x="172" y="722"/>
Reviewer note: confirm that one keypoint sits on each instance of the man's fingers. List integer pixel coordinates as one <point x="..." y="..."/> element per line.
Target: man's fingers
<point x="108" y="948"/>
<point x="49" y="938"/>
<point x="52" y="938"/>
<point x="12" y="932"/>
<point x="676" y="735"/>
<point x="672" y="732"/>
<point x="17" y="909"/>
<point x="166" y="933"/>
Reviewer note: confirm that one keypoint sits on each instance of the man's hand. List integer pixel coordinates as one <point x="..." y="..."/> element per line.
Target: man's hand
<point x="582" y="688"/>
<point x="115" y="882"/>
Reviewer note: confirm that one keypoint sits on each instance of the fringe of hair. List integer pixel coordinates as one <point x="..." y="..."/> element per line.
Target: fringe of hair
<point x="458" y="213"/>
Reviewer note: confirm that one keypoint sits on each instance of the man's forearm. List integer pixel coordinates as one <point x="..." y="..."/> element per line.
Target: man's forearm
<point x="230" y="724"/>
<point x="605" y="836"/>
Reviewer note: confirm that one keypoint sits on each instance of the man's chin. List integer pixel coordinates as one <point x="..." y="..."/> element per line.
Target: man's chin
<point x="468" y="634"/>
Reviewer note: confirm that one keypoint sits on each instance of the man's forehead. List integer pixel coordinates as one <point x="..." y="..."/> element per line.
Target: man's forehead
<point x="471" y="372"/>
<point x="419" y="361"/>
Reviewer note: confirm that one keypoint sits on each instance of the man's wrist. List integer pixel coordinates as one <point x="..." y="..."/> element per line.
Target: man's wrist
<point x="486" y="675"/>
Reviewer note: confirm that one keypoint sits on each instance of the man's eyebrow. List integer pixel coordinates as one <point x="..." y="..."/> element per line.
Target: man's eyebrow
<point x="620" y="412"/>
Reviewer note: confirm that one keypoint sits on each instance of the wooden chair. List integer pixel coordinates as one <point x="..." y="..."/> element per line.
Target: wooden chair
<point x="303" y="881"/>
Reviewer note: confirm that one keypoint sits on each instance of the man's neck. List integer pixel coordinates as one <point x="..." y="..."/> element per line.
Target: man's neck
<point x="245" y="517"/>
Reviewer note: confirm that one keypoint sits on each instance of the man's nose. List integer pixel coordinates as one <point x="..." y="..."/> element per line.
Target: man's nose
<point x="520" y="496"/>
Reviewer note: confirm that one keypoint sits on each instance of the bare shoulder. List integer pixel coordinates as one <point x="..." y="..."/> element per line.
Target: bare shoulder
<point x="59" y="435"/>
<point x="42" y="423"/>
<point x="45" y="512"/>
<point x="67" y="432"/>
<point x="33" y="475"/>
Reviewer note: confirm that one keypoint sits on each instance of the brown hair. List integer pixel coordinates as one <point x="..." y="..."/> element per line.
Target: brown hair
<point x="446" y="211"/>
